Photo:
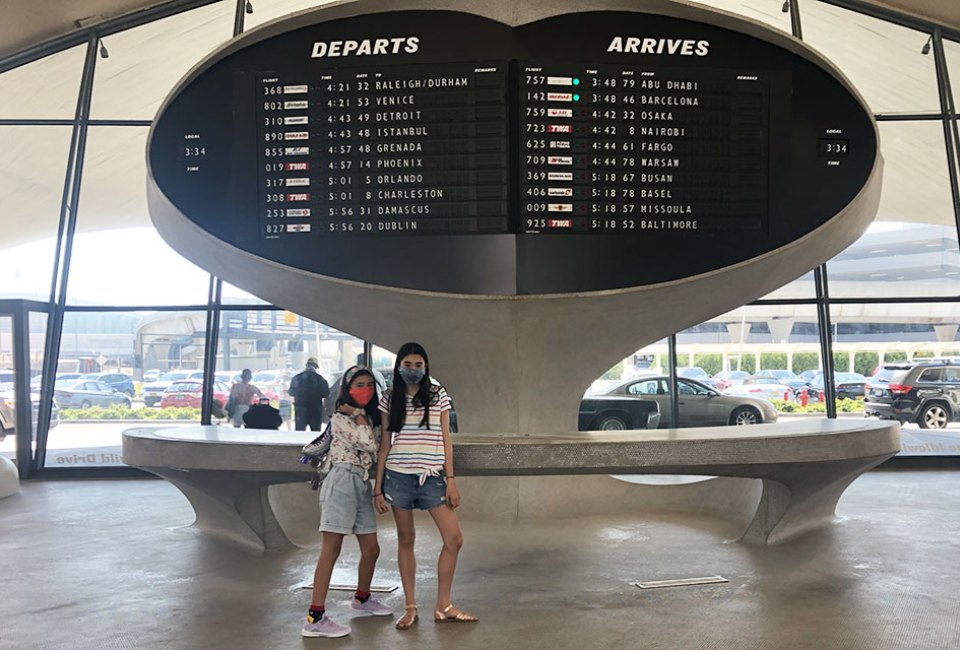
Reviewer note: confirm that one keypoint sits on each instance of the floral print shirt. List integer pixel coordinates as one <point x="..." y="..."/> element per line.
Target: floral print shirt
<point x="353" y="443"/>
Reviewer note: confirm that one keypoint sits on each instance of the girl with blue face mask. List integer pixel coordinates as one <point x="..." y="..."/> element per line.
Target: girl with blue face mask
<point x="415" y="470"/>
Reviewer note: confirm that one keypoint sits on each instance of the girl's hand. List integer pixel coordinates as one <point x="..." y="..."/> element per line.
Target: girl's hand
<point x="453" y="495"/>
<point x="380" y="503"/>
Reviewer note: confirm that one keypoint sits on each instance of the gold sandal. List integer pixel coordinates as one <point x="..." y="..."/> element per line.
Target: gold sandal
<point x="401" y="622"/>
<point x="460" y="617"/>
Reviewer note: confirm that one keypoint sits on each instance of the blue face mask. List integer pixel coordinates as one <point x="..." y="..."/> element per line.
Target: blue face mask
<point x="412" y="376"/>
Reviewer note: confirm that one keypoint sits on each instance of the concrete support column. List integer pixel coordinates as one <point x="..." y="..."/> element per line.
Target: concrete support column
<point x="738" y="332"/>
<point x="780" y="329"/>
<point x="945" y="333"/>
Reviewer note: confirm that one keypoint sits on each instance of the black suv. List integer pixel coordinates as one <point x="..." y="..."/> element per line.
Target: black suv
<point x="926" y="393"/>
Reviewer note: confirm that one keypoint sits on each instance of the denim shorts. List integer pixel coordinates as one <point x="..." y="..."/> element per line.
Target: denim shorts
<point x="405" y="492"/>
<point x="346" y="502"/>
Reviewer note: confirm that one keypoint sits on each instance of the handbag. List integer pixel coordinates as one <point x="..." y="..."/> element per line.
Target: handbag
<point x="317" y="453"/>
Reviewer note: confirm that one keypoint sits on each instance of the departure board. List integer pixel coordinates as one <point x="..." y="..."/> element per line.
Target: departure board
<point x="529" y="150"/>
<point x="384" y="151"/>
<point x="625" y="149"/>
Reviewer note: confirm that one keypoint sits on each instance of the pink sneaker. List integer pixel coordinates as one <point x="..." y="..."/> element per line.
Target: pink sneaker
<point x="324" y="627"/>
<point x="372" y="606"/>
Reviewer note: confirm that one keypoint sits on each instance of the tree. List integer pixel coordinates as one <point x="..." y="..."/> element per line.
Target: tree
<point x="711" y="363"/>
<point x="805" y="361"/>
<point x="865" y="362"/>
<point x="773" y="361"/>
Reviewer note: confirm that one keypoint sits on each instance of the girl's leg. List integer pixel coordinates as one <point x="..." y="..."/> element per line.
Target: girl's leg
<point x="407" y="562"/>
<point x="446" y="520"/>
<point x="369" y="552"/>
<point x="329" y="552"/>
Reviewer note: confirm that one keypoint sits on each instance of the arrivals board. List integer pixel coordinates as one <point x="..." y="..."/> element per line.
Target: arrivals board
<point x="623" y="149"/>
<point x="577" y="152"/>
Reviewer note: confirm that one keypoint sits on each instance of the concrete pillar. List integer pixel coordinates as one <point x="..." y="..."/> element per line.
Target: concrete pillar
<point x="945" y="333"/>
<point x="780" y="329"/>
<point x="738" y="332"/>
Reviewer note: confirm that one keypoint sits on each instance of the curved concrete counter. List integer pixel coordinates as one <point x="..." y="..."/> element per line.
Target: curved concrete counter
<point x="805" y="466"/>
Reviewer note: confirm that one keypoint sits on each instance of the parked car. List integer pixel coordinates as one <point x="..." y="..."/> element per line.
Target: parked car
<point x="728" y="378"/>
<point x="699" y="405"/>
<point x="764" y="387"/>
<point x="785" y="377"/>
<point x="926" y="393"/>
<point x="848" y="385"/>
<point x="8" y="410"/>
<point x="118" y="380"/>
<point x="84" y="393"/>
<point x="35" y="382"/>
<point x="153" y="392"/>
<point x="228" y="377"/>
<point x="151" y="376"/>
<point x="271" y="377"/>
<point x="698" y="374"/>
<point x="187" y="394"/>
<point x="617" y="412"/>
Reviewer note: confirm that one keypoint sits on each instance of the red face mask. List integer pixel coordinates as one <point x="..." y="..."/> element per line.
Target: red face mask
<point x="362" y="396"/>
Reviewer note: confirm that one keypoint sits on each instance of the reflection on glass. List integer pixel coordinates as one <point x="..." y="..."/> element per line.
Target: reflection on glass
<point x="884" y="61"/>
<point x="267" y="10"/>
<point x="763" y="11"/>
<point x="275" y="345"/>
<point x="8" y="413"/>
<point x="104" y="380"/>
<point x="756" y="361"/>
<point x="952" y="52"/>
<point x="233" y="295"/>
<point x="33" y="160"/>
<point x="911" y="249"/>
<point x="47" y="88"/>
<point x="145" y="62"/>
<point x="911" y="357"/>
<point x="119" y="259"/>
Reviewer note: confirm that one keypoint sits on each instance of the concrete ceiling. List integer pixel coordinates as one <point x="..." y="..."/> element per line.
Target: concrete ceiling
<point x="29" y="22"/>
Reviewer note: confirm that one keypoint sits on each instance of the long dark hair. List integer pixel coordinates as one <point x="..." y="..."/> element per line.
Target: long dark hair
<point x="373" y="413"/>
<point x="398" y="397"/>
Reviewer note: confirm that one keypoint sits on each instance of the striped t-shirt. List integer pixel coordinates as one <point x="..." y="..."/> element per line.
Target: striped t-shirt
<point x="417" y="449"/>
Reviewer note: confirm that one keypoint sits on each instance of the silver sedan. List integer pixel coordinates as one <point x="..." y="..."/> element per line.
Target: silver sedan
<point x="699" y="405"/>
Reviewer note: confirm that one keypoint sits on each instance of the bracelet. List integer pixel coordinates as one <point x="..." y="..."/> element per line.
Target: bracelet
<point x="451" y="476"/>
<point x="378" y="494"/>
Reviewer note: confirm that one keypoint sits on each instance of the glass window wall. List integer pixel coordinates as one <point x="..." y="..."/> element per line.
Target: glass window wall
<point x="266" y="10"/>
<point x="118" y="257"/>
<point x="275" y="345"/>
<point x="883" y="342"/>
<point x="884" y="61"/>
<point x="769" y="13"/>
<point x="34" y="162"/>
<point x="147" y="61"/>
<point x="118" y="370"/>
<point x="44" y="89"/>
<point x="952" y="52"/>
<point x="911" y="248"/>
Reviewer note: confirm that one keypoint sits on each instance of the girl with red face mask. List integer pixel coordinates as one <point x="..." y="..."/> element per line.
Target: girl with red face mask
<point x="346" y="500"/>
